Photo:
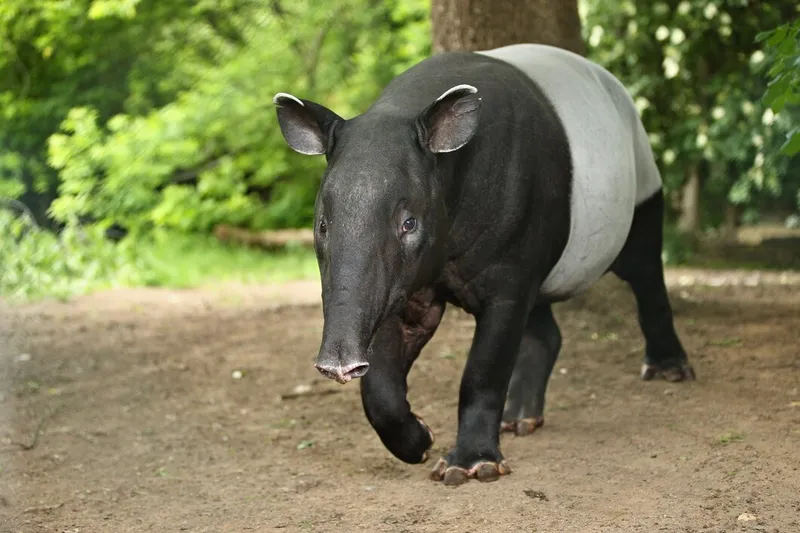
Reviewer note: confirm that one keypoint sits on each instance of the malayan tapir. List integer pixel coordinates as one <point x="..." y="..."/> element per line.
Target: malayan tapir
<point x="501" y="182"/>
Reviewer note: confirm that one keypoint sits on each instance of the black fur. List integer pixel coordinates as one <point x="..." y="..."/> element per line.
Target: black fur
<point x="490" y="220"/>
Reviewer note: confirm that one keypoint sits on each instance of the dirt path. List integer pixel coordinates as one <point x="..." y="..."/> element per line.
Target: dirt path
<point x="143" y="425"/>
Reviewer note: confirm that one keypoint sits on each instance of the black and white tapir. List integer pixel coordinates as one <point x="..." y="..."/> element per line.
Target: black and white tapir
<point x="501" y="182"/>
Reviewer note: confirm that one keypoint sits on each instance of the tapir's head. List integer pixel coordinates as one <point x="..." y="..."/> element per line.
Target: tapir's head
<point x="380" y="218"/>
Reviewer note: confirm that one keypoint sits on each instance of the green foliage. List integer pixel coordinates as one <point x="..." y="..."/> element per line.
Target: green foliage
<point x="678" y="248"/>
<point x="180" y="260"/>
<point x="783" y="43"/>
<point x="36" y="263"/>
<point x="159" y="116"/>
<point x="697" y="75"/>
<point x="112" y="55"/>
<point x="215" y="153"/>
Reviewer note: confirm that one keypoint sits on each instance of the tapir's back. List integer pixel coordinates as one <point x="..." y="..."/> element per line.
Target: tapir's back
<point x="613" y="165"/>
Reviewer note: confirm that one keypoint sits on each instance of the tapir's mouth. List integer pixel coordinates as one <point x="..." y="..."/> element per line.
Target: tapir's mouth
<point x="343" y="374"/>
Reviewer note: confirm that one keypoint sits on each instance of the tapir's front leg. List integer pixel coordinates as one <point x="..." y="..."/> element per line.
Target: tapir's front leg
<point x="498" y="333"/>
<point x="383" y="389"/>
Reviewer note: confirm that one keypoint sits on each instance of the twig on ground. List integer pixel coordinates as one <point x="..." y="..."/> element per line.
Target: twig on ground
<point x="305" y="390"/>
<point x="266" y="239"/>
<point x="44" y="508"/>
<point x="35" y="439"/>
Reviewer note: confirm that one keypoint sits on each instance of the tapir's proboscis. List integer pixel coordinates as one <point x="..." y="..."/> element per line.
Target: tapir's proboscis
<point x="500" y="182"/>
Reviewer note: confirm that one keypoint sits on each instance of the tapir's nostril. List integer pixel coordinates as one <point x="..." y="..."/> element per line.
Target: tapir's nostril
<point x="357" y="370"/>
<point x="343" y="374"/>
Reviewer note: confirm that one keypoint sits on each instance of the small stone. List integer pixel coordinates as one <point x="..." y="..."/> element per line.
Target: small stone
<point x="236" y="374"/>
<point x="23" y="358"/>
<point x="562" y="371"/>
<point x="303" y="388"/>
<point x="747" y="517"/>
<point x="535" y="494"/>
<point x="669" y="392"/>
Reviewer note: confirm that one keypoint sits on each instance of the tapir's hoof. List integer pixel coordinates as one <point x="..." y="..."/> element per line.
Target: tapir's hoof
<point x="425" y="455"/>
<point x="455" y="475"/>
<point x="684" y="372"/>
<point x="522" y="427"/>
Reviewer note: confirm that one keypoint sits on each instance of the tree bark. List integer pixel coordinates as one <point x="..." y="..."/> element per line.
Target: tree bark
<point x="730" y="227"/>
<point x="689" y="221"/>
<point x="484" y="24"/>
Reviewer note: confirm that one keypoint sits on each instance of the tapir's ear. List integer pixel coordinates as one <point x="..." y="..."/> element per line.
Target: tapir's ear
<point x="305" y="125"/>
<point x="451" y="121"/>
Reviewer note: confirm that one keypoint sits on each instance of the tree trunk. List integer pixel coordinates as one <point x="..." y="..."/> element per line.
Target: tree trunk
<point x="484" y="24"/>
<point x="730" y="227"/>
<point x="690" y="202"/>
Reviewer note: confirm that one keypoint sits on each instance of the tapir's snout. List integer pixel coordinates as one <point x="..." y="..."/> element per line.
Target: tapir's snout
<point x="342" y="360"/>
<point x="343" y="374"/>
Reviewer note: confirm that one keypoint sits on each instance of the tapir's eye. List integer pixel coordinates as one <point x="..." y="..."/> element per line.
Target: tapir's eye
<point x="323" y="227"/>
<point x="409" y="225"/>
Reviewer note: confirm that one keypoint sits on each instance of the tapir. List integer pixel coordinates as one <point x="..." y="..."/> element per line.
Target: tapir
<point x="501" y="182"/>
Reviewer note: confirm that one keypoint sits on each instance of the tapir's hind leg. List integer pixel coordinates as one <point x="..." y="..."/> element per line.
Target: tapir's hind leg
<point x="639" y="264"/>
<point x="538" y="352"/>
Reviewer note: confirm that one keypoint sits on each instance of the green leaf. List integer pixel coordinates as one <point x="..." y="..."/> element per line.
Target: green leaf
<point x="792" y="145"/>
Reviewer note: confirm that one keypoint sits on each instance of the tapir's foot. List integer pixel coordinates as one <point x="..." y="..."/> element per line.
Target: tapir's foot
<point x="680" y="372"/>
<point x="522" y="427"/>
<point x="453" y="473"/>
<point x="409" y="438"/>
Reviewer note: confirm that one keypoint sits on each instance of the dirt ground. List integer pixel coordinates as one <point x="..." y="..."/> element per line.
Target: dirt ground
<point x="154" y="410"/>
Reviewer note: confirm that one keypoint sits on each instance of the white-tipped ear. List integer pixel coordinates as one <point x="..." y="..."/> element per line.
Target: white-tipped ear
<point x="452" y="119"/>
<point x="282" y="96"/>
<point x="305" y="125"/>
<point x="461" y="89"/>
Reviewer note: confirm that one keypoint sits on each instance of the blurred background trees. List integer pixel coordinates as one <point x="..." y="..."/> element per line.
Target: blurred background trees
<point x="155" y="118"/>
<point x="698" y="75"/>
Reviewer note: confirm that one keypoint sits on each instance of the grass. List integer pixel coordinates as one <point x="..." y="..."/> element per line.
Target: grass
<point x="728" y="438"/>
<point x="191" y="261"/>
<point x="728" y="341"/>
<point x="41" y="268"/>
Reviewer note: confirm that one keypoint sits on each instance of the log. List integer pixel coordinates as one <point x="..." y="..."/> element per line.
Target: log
<point x="270" y="239"/>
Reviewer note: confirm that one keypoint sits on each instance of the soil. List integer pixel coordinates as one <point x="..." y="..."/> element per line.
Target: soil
<point x="156" y="410"/>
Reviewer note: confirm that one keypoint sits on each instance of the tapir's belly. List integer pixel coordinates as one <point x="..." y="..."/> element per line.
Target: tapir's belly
<point x="607" y="143"/>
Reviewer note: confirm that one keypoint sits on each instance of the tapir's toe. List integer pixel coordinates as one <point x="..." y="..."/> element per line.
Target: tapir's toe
<point x="682" y="372"/>
<point x="489" y="471"/>
<point x="523" y="426"/>
<point x="439" y="470"/>
<point x="484" y="471"/>
<point x="425" y="454"/>
<point x="455" y="475"/>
